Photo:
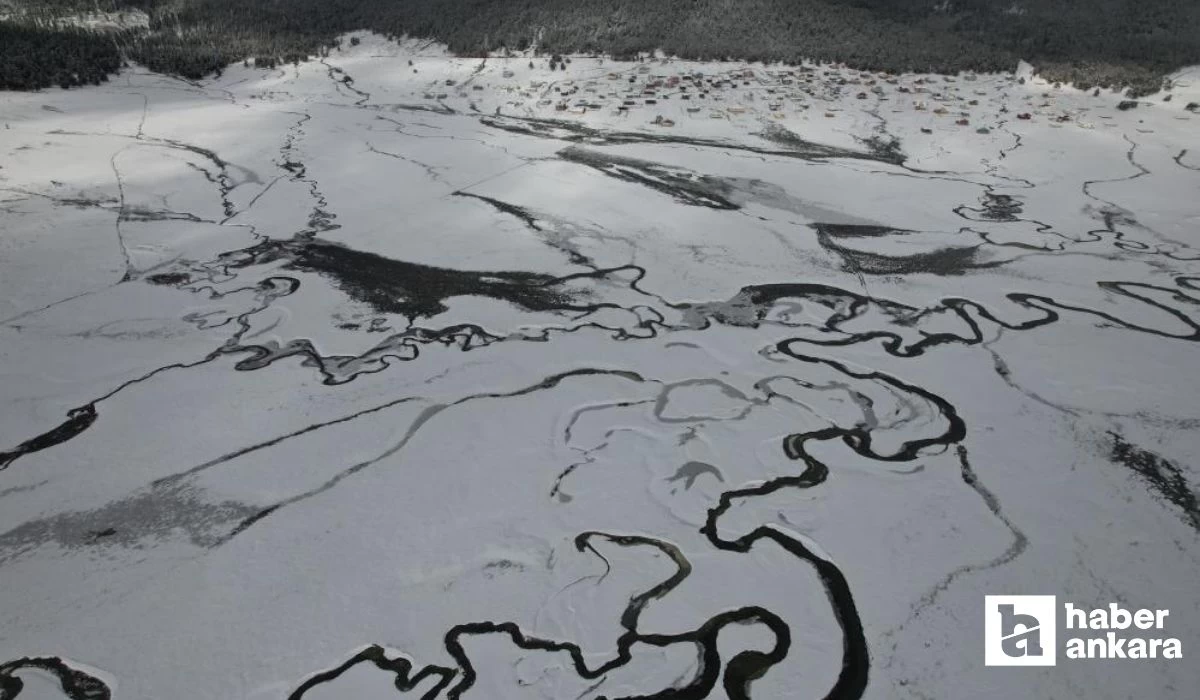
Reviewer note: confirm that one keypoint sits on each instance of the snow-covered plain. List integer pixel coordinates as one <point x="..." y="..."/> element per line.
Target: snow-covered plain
<point x="397" y="374"/>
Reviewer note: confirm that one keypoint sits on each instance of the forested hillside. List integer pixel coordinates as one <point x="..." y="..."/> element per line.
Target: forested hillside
<point x="1126" y="42"/>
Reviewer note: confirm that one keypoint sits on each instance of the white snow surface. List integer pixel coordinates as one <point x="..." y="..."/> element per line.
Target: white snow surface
<point x="402" y="361"/>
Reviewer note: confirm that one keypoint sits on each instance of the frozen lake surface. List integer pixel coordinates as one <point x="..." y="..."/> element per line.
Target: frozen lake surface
<point x="397" y="374"/>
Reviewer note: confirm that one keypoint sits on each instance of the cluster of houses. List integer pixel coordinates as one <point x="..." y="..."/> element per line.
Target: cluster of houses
<point x="662" y="95"/>
<point x="721" y="95"/>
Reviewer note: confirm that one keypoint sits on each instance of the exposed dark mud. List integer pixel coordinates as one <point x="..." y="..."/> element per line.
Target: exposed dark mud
<point x="521" y="213"/>
<point x="879" y="148"/>
<point x="797" y="147"/>
<point x="995" y="207"/>
<point x="946" y="261"/>
<point x="148" y="516"/>
<point x="839" y="231"/>
<point x="168" y="279"/>
<point x="685" y="187"/>
<point x="1167" y="480"/>
<point x="408" y="289"/>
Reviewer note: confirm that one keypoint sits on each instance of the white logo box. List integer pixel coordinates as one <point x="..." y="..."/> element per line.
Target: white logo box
<point x="1020" y="630"/>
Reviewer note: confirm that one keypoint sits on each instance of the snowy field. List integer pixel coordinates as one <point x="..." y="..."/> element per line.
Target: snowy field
<point x="400" y="375"/>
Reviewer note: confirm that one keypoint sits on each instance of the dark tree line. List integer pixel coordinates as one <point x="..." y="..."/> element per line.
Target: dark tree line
<point x="32" y="58"/>
<point x="1120" y="42"/>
